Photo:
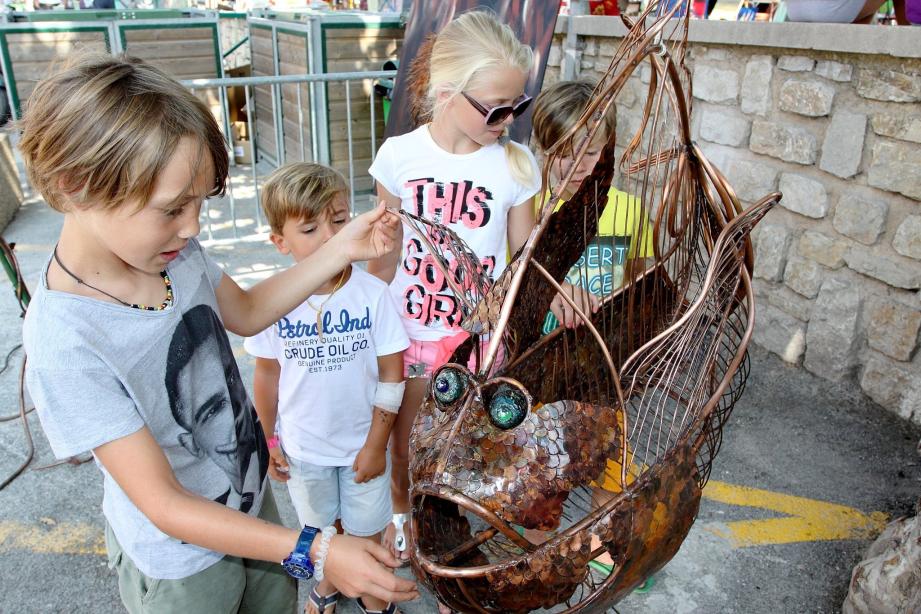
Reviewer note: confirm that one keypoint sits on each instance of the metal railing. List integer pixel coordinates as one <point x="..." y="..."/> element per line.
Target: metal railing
<point x="305" y="131"/>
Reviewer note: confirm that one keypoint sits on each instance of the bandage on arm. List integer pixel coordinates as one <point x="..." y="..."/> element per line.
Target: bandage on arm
<point x="389" y="396"/>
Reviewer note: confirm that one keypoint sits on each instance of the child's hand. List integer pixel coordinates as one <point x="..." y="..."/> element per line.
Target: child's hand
<point x="564" y="312"/>
<point x="358" y="566"/>
<point x="278" y="466"/>
<point x="368" y="236"/>
<point x="369" y="464"/>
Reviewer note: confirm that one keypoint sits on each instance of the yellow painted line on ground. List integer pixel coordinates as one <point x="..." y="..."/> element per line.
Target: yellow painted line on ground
<point x="51" y="537"/>
<point x="806" y="520"/>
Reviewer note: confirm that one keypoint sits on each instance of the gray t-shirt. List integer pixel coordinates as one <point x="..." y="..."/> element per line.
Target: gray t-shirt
<point x="98" y="371"/>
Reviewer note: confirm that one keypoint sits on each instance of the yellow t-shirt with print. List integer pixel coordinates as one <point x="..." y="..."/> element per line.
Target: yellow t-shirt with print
<point x="600" y="269"/>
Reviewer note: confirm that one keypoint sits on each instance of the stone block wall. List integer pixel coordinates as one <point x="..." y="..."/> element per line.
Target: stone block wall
<point x="830" y="115"/>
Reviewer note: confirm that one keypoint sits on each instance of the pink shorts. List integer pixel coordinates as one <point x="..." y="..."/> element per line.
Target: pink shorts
<point x="422" y="358"/>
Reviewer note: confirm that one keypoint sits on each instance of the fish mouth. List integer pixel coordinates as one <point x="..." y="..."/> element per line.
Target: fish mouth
<point x="474" y="561"/>
<point x="442" y="547"/>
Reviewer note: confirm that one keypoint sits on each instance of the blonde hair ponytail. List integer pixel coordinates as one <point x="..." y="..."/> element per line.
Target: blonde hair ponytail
<point x="519" y="163"/>
<point x="464" y="51"/>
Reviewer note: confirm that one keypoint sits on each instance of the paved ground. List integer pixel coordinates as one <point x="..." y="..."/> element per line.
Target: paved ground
<point x="806" y="477"/>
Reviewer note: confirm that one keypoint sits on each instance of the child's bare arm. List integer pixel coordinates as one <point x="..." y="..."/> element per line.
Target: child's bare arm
<point x="247" y="312"/>
<point x="520" y="224"/>
<point x="385" y="267"/>
<point x="372" y="458"/>
<point x="265" y="399"/>
<point x="139" y="467"/>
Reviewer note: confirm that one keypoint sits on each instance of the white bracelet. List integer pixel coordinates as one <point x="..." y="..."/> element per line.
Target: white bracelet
<point x="389" y="396"/>
<point x="322" y="551"/>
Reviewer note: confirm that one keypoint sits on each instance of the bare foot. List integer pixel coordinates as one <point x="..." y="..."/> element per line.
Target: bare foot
<point x="389" y="537"/>
<point x="322" y="599"/>
<point x="375" y="605"/>
<point x="443" y="609"/>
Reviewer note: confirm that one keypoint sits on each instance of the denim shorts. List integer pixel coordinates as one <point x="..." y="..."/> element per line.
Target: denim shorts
<point x="322" y="494"/>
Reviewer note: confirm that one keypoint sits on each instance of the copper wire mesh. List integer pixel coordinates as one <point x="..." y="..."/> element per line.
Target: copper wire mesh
<point x="623" y="415"/>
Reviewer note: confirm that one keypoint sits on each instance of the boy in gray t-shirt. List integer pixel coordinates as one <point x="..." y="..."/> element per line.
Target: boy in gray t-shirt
<point x="129" y="358"/>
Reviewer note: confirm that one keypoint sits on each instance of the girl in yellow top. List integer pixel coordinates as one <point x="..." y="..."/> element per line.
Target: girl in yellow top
<point x="621" y="246"/>
<point x="624" y="239"/>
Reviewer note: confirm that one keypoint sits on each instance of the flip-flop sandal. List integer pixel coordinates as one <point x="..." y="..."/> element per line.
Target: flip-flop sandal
<point x="390" y="609"/>
<point x="322" y="601"/>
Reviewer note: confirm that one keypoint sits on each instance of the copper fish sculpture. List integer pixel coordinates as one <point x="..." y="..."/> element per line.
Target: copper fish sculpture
<point x="597" y="438"/>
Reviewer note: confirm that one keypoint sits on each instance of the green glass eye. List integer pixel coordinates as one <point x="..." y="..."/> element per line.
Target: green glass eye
<point x="448" y="386"/>
<point x="507" y="407"/>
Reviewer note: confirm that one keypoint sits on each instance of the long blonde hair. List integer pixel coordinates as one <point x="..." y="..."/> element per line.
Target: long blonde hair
<point x="464" y="51"/>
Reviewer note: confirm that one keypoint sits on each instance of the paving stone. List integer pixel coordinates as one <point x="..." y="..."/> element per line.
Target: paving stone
<point x="646" y="74"/>
<point x="771" y="243"/>
<point x="888" y="85"/>
<point x="842" y="149"/>
<point x="779" y="333"/>
<point x="892" y="328"/>
<point x="884" y="380"/>
<point x="724" y="126"/>
<point x="788" y="143"/>
<point x="751" y="180"/>
<point x="910" y="409"/>
<point x="790" y="302"/>
<point x="832" y="334"/>
<point x="810" y="98"/>
<point x="608" y="47"/>
<point x="627" y="96"/>
<point x="903" y="127"/>
<point x="756" y="85"/>
<point x="795" y="63"/>
<point x="859" y="218"/>
<point x="835" y="71"/>
<point x="718" y="54"/>
<point x="803" y="276"/>
<point x="896" y="167"/>
<point x="803" y="195"/>
<point x="907" y="240"/>
<point x="888" y="577"/>
<point x="822" y="248"/>
<point x="893" y="270"/>
<point x="715" y="84"/>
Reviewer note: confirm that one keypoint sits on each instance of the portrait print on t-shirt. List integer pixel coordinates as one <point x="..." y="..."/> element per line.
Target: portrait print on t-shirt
<point x="430" y="300"/>
<point x="209" y="402"/>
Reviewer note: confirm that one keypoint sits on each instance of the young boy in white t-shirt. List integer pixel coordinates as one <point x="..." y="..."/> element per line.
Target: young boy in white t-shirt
<point x="329" y="375"/>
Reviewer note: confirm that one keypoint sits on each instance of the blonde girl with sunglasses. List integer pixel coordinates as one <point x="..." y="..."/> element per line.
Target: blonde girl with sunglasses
<point x="460" y="169"/>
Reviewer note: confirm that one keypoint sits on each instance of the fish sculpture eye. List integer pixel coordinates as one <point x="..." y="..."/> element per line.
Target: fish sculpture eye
<point x="507" y="407"/>
<point x="448" y="386"/>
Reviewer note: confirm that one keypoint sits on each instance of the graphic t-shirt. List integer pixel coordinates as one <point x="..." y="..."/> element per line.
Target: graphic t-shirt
<point x="98" y="372"/>
<point x="600" y="269"/>
<point x="329" y="373"/>
<point x="469" y="193"/>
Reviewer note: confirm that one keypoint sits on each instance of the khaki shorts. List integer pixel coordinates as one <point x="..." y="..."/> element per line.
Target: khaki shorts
<point x="230" y="585"/>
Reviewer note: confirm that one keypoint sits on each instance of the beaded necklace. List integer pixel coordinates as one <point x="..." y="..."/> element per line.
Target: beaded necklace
<point x="166" y="280"/>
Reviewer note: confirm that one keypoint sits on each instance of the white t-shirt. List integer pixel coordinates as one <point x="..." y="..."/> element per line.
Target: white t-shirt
<point x="327" y="382"/>
<point x="469" y="193"/>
